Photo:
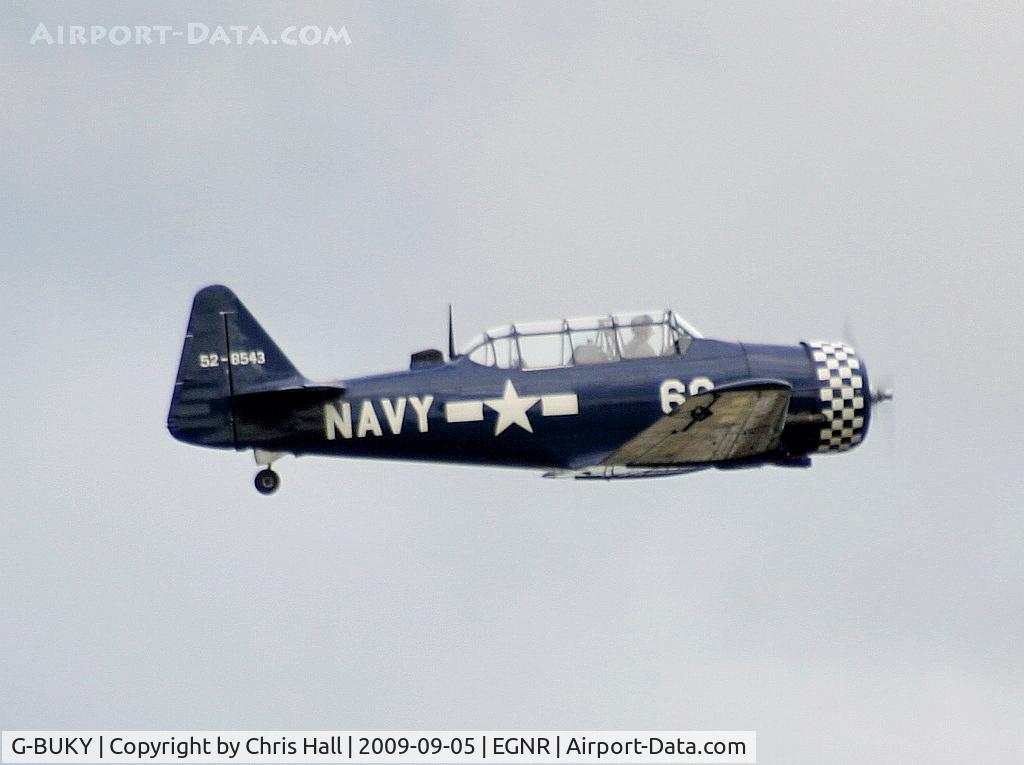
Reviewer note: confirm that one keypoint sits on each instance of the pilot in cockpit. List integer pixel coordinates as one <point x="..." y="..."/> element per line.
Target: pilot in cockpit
<point x="639" y="345"/>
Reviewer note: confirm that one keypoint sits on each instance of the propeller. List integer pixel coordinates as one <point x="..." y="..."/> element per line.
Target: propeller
<point x="881" y="394"/>
<point x="884" y="389"/>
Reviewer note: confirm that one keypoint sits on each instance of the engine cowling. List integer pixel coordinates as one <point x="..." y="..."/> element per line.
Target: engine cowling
<point x="843" y="393"/>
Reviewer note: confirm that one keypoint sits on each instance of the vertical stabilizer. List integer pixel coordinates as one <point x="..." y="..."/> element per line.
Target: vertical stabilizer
<point x="226" y="353"/>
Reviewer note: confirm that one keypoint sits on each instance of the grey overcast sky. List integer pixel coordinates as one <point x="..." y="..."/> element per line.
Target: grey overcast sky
<point x="771" y="171"/>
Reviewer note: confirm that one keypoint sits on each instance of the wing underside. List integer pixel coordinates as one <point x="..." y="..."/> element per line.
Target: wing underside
<point x="735" y="421"/>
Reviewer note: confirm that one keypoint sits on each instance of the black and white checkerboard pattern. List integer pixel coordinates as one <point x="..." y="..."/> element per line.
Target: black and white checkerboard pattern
<point x="843" y="396"/>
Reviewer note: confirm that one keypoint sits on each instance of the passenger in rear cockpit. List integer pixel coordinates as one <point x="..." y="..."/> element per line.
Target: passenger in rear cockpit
<point x="639" y="346"/>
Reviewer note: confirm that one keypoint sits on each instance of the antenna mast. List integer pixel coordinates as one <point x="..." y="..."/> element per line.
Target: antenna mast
<point x="452" y="355"/>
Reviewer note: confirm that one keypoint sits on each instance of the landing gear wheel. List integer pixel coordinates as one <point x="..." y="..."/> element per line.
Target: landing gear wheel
<point x="267" y="481"/>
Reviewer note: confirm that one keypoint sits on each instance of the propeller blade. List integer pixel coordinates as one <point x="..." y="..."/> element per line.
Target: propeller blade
<point x="881" y="394"/>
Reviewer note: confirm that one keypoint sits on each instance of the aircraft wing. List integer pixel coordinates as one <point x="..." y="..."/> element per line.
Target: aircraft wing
<point x="730" y="422"/>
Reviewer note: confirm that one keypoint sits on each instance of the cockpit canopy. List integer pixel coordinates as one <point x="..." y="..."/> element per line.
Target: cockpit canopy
<point x="577" y="342"/>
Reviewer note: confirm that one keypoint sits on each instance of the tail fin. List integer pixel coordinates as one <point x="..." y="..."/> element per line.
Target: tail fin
<point x="226" y="354"/>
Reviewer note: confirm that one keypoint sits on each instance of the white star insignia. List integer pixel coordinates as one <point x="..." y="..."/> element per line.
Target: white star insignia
<point x="511" y="409"/>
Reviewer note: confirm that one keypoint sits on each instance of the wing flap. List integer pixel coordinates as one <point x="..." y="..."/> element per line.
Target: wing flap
<point x="730" y="422"/>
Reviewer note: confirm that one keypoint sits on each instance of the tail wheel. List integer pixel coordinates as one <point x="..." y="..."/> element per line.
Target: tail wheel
<point x="267" y="481"/>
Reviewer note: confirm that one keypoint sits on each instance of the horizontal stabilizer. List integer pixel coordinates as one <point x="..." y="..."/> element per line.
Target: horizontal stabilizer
<point x="312" y="392"/>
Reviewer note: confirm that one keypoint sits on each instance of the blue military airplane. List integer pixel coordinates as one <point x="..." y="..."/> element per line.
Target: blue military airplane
<point x="614" y="396"/>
